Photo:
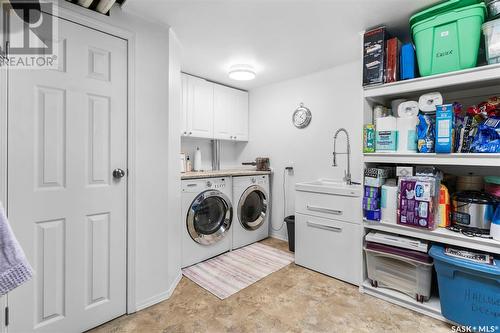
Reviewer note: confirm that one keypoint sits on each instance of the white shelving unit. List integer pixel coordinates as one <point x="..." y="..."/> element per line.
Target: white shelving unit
<point x="469" y="79"/>
<point x="488" y="160"/>
<point x="467" y="86"/>
<point x="440" y="235"/>
<point x="431" y="308"/>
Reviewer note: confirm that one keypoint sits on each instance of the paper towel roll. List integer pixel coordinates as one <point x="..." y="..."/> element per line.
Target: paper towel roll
<point x="408" y="109"/>
<point x="380" y="111"/>
<point x="407" y="134"/>
<point x="428" y="102"/>
<point x="389" y="203"/>
<point x="395" y="103"/>
<point x="386" y="124"/>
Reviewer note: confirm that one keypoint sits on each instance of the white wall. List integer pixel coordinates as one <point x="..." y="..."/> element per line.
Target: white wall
<point x="174" y="181"/>
<point x="229" y="152"/>
<point x="334" y="97"/>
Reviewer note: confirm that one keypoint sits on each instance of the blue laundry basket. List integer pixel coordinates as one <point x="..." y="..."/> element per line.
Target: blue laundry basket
<point x="469" y="291"/>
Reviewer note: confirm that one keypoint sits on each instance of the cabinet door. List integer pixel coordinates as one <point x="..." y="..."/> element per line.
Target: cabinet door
<point x="224" y="102"/>
<point x="329" y="247"/>
<point x="184" y="105"/>
<point x="240" y="116"/>
<point x="200" y="108"/>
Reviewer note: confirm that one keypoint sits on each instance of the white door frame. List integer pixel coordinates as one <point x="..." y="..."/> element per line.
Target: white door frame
<point x="3" y="165"/>
<point x="89" y="19"/>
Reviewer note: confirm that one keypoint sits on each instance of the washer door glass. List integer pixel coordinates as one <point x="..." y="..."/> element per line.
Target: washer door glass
<point x="209" y="217"/>
<point x="252" y="208"/>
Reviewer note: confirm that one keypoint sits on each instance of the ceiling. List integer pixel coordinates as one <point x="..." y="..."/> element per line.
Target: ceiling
<point x="282" y="39"/>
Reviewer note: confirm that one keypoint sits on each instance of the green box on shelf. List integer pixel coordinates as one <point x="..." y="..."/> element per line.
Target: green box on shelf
<point x="447" y="36"/>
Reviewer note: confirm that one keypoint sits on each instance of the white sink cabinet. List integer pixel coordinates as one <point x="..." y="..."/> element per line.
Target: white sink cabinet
<point x="328" y="227"/>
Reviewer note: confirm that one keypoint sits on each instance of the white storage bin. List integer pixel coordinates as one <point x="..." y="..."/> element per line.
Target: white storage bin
<point x="406" y="271"/>
<point x="491" y="32"/>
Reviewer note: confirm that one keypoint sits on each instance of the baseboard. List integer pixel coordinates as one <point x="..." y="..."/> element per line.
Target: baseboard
<point x="278" y="236"/>
<point x="160" y="297"/>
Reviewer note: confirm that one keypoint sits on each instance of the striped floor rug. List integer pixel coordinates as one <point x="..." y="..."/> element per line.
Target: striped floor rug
<point x="233" y="271"/>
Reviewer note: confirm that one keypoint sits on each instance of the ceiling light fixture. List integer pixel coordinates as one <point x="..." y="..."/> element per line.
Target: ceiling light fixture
<point x="242" y="72"/>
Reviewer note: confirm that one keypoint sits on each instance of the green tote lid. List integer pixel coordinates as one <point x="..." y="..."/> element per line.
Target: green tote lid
<point x="492" y="180"/>
<point x="441" y="8"/>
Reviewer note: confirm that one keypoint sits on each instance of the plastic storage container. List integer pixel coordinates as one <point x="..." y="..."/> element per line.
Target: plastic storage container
<point x="469" y="292"/>
<point x="493" y="8"/>
<point x="447" y="36"/>
<point x="408" y="65"/>
<point x="491" y="31"/>
<point x="409" y="272"/>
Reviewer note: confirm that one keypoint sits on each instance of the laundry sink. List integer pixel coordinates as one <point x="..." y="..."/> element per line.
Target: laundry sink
<point x="330" y="186"/>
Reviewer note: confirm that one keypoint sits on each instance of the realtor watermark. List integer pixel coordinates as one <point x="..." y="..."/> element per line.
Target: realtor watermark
<point x="476" y="329"/>
<point x="29" y="33"/>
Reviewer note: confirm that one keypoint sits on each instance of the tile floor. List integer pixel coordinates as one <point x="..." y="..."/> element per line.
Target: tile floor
<point x="293" y="299"/>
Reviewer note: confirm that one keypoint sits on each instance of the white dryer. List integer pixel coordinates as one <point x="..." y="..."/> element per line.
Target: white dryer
<point x="207" y="216"/>
<point x="251" y="200"/>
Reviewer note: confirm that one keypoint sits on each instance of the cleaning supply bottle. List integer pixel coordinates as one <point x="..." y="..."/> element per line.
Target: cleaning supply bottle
<point x="495" y="225"/>
<point x="197" y="159"/>
<point x="189" y="165"/>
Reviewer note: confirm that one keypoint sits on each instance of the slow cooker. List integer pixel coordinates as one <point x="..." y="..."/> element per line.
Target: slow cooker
<point x="473" y="209"/>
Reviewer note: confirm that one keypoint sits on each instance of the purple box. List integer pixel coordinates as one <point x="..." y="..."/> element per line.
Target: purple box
<point x="372" y="192"/>
<point x="416" y="202"/>
<point x="371" y="203"/>
<point x="373" y="215"/>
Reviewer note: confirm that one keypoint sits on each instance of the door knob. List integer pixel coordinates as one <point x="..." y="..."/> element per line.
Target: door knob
<point x="118" y="173"/>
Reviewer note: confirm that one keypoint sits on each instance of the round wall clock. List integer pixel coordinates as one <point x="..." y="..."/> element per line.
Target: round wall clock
<point x="301" y="116"/>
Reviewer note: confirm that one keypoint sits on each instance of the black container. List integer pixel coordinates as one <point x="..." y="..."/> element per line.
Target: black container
<point x="290" y="227"/>
<point x="374" y="53"/>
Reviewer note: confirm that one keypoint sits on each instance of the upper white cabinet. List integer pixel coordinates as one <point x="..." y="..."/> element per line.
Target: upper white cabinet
<point x="240" y="116"/>
<point x="213" y="111"/>
<point x="224" y="103"/>
<point x="197" y="107"/>
<point x="230" y="114"/>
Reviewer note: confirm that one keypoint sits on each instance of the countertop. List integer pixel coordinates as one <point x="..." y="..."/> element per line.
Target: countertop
<point x="223" y="173"/>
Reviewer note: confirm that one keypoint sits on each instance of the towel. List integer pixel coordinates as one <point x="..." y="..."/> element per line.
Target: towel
<point x="14" y="268"/>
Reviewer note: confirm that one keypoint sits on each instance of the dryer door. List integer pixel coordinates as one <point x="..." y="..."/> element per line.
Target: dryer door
<point x="252" y="207"/>
<point x="209" y="217"/>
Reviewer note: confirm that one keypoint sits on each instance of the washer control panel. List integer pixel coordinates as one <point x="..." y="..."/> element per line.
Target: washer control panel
<point x="219" y="186"/>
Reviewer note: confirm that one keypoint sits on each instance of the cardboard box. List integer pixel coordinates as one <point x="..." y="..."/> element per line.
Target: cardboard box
<point x="444" y="128"/>
<point x="374" y="50"/>
<point x="375" y="177"/>
<point x="404" y="171"/>
<point x="392" y="60"/>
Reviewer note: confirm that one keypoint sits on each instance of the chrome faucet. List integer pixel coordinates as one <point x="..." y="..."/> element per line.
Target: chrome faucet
<point x="347" y="173"/>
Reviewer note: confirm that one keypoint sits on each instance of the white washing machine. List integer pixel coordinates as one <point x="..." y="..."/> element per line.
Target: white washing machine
<point x="207" y="217"/>
<point x="252" y="201"/>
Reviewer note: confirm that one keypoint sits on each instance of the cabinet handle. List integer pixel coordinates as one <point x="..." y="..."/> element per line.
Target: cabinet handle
<point x="235" y="138"/>
<point x="190" y="133"/>
<point x="324" y="210"/>
<point x="324" y="227"/>
<point x="185" y="133"/>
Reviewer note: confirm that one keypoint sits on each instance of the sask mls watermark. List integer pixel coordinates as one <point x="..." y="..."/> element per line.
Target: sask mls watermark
<point x="29" y="32"/>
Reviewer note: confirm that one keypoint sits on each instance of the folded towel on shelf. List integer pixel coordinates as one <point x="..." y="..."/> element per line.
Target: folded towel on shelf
<point x="14" y="268"/>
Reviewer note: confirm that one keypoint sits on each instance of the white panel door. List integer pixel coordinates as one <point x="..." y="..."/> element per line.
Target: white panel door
<point x="200" y="108"/>
<point x="240" y="116"/>
<point x="67" y="132"/>
<point x="224" y="102"/>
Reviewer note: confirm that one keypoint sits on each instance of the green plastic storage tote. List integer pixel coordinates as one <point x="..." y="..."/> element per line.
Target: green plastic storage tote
<point x="447" y="36"/>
